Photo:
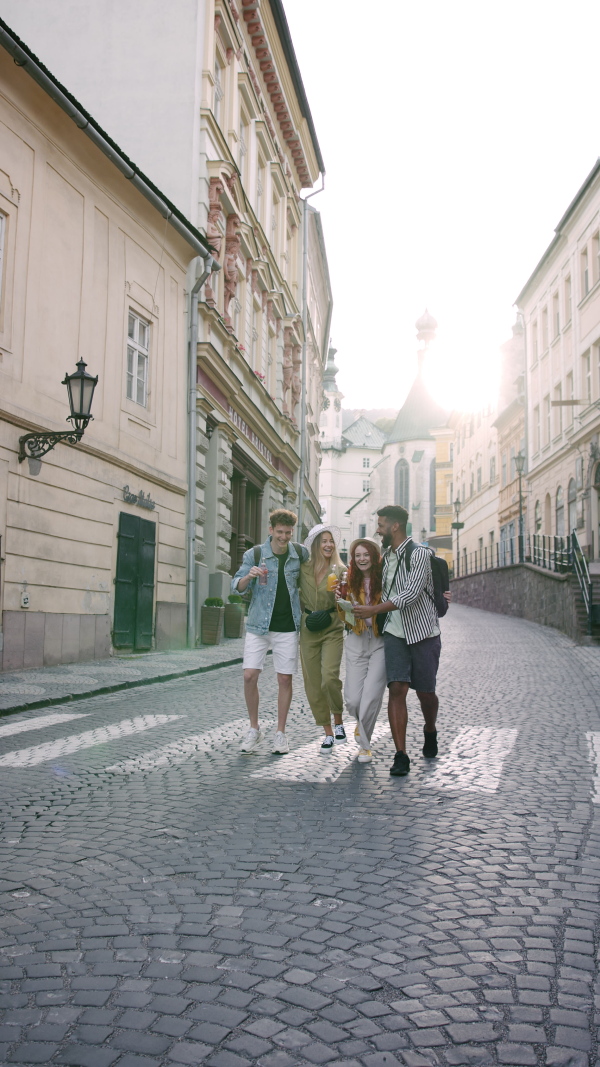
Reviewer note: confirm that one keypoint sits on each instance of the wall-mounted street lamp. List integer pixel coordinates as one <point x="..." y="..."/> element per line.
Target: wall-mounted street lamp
<point x="458" y="526"/>
<point x="520" y="466"/>
<point x="423" y="536"/>
<point x="80" y="387"/>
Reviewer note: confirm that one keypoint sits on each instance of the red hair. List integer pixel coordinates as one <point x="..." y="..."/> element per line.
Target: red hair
<point x="355" y="575"/>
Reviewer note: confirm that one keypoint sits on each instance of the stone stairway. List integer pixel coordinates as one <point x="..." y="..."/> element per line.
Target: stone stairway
<point x="582" y="620"/>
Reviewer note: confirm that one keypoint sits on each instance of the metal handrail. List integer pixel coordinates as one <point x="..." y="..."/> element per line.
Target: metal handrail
<point x="581" y="569"/>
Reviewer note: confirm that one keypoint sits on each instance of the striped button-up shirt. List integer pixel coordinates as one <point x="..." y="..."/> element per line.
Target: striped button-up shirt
<point x="412" y="590"/>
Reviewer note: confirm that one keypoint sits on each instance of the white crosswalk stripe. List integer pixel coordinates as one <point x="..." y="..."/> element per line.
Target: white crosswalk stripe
<point x="593" y="740"/>
<point x="474" y="761"/>
<point x="29" y="757"/>
<point x="38" y="723"/>
<point x="308" y="764"/>
<point x="186" y="747"/>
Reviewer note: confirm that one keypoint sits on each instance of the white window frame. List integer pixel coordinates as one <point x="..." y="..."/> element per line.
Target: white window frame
<point x="138" y="358"/>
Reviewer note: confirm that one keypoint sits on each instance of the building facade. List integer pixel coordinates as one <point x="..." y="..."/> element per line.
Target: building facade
<point x="561" y="309"/>
<point x="234" y="147"/>
<point x="349" y="458"/>
<point x="93" y="534"/>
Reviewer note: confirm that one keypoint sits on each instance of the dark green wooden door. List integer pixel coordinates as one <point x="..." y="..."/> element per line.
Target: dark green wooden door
<point x="134" y="583"/>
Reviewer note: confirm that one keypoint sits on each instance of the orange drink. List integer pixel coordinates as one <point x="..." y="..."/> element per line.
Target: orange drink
<point x="331" y="581"/>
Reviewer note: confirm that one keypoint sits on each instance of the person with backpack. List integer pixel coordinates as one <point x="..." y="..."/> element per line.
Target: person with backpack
<point x="412" y="604"/>
<point x="272" y="572"/>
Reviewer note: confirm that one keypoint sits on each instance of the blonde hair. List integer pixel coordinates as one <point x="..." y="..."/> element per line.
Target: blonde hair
<point x="319" y="561"/>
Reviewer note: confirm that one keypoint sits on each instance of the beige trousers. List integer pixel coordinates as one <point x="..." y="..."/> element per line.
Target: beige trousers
<point x="321" y="657"/>
<point x="366" y="681"/>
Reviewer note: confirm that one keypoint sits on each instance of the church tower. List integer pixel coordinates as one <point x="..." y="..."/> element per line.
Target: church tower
<point x="330" y="423"/>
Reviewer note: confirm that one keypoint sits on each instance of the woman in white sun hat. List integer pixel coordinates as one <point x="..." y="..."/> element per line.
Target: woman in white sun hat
<point x="366" y="678"/>
<point x="322" y="632"/>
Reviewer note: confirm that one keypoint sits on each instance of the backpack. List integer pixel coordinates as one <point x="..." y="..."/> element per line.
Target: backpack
<point x="440" y="575"/>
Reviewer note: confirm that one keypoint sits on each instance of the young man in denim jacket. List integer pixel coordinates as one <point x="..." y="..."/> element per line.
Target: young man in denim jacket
<point x="273" y="621"/>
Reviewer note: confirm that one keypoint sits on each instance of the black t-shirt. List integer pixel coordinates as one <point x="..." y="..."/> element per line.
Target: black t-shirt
<point x="282" y="620"/>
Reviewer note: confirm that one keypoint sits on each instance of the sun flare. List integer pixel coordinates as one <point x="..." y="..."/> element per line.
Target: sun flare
<point x="465" y="381"/>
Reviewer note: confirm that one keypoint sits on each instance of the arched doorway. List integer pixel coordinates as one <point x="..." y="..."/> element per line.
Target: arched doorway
<point x="548" y="514"/>
<point x="560" y="512"/>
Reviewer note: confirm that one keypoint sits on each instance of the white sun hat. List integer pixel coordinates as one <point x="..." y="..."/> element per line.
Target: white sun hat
<point x="320" y="528"/>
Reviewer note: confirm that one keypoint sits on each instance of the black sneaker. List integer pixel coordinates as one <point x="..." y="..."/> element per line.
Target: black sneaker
<point x="430" y="748"/>
<point x="327" y="745"/>
<point x="340" y="733"/>
<point x="401" y="765"/>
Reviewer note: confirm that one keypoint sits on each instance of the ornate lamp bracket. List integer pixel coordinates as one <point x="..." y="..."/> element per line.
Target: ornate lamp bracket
<point x="35" y="445"/>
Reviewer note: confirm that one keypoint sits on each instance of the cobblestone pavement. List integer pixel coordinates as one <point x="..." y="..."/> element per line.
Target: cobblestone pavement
<point x="35" y="688"/>
<point x="168" y="901"/>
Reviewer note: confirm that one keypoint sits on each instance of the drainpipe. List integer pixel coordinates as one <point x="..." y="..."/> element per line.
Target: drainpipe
<point x="304" y="350"/>
<point x="209" y="265"/>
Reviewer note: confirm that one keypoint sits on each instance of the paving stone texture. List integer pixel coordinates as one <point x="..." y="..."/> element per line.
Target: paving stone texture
<point x="50" y="685"/>
<point x="169" y="901"/>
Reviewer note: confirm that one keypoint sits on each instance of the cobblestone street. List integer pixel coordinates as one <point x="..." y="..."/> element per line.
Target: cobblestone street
<point x="169" y="901"/>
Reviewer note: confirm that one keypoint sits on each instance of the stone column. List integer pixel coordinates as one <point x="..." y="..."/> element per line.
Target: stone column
<point x="241" y="547"/>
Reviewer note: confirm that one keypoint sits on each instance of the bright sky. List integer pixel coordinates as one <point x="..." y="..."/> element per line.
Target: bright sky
<point x="454" y="136"/>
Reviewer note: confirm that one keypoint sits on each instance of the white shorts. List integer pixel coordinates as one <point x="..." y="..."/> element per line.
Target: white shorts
<point x="285" y="651"/>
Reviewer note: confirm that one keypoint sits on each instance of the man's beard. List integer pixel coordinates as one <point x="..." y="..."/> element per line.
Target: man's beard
<point x="386" y="540"/>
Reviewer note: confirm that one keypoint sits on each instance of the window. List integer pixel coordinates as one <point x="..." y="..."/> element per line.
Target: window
<point x="218" y="92"/>
<point x="537" y="517"/>
<point x="570" y="396"/>
<point x="568" y="298"/>
<point x="366" y="461"/>
<point x="432" y="495"/>
<point x="558" y="411"/>
<point x="401" y="483"/>
<point x="597" y="347"/>
<point x="560" y="513"/>
<point x="596" y="264"/>
<point x="365" y="485"/>
<point x="452" y="446"/>
<point x="243" y="145"/>
<point x="572" y="506"/>
<point x="586" y="376"/>
<point x="478" y="479"/>
<point x="362" y="529"/>
<point x="579" y="472"/>
<point x="534" y="342"/>
<point x="544" y="329"/>
<point x="504" y="478"/>
<point x="585" y="274"/>
<point x="513" y="465"/>
<point x="492" y="468"/>
<point x="537" y="443"/>
<point x="555" y="315"/>
<point x="138" y="343"/>
<point x="547" y="427"/>
<point x="472" y="485"/>
<point x="548" y="514"/>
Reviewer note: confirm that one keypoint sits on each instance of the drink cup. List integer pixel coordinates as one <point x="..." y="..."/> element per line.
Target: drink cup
<point x="331" y="582"/>
<point x="264" y="571"/>
<point x="343" y="587"/>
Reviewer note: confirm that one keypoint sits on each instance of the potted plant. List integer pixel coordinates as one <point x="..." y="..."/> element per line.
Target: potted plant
<point x="211" y="621"/>
<point x="234" y="616"/>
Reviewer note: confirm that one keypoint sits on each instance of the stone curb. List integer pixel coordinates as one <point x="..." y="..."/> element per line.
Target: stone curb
<point x="48" y="702"/>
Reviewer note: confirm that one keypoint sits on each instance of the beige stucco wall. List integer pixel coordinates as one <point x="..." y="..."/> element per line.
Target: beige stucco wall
<point x="83" y="247"/>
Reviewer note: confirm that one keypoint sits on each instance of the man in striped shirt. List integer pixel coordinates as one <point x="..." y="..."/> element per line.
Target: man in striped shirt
<point x="411" y="634"/>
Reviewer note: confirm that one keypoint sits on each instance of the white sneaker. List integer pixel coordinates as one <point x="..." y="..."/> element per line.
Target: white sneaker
<point x="364" y="755"/>
<point x="327" y="745"/>
<point x="251" y="740"/>
<point x="281" y="744"/>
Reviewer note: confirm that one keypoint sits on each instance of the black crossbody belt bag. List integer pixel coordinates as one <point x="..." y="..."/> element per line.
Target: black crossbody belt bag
<point x="318" y="620"/>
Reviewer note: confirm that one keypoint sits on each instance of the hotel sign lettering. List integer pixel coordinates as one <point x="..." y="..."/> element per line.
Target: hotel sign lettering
<point x="248" y="432"/>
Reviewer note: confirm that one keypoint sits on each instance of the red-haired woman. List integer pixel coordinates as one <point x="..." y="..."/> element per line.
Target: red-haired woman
<point x="366" y="677"/>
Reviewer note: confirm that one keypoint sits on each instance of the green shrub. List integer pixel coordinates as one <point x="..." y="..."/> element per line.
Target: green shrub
<point x="235" y="598"/>
<point x="213" y="602"/>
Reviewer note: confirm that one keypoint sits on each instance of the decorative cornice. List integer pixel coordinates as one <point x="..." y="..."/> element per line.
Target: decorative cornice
<point x="268" y="69"/>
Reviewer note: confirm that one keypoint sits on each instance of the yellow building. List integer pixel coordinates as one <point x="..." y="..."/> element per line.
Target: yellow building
<point x="93" y="267"/>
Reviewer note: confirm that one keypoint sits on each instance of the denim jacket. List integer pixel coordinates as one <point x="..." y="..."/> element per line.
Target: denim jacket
<point x="263" y="596"/>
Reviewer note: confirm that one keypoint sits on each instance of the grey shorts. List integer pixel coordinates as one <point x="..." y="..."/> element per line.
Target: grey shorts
<point x="416" y="664"/>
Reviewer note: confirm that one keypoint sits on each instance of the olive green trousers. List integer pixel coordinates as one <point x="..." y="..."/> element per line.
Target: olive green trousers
<point x="321" y="657"/>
